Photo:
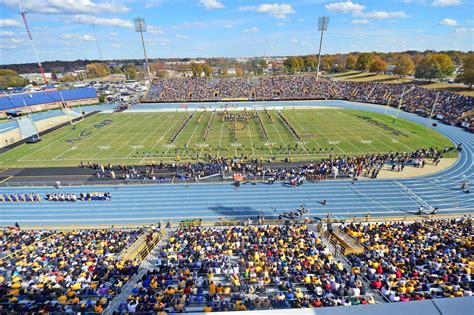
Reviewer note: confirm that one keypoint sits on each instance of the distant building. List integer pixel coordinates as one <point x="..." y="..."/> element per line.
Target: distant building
<point x="36" y="77"/>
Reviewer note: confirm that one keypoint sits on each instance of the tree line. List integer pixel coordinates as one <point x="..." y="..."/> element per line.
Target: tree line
<point x="427" y="66"/>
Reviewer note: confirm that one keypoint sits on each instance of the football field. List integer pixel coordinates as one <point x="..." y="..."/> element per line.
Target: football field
<point x="302" y="134"/>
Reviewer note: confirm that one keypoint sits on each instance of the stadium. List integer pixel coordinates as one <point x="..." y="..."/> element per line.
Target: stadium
<point x="289" y="193"/>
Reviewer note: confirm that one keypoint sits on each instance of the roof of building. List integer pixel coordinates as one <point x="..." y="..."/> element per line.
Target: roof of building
<point x="44" y="97"/>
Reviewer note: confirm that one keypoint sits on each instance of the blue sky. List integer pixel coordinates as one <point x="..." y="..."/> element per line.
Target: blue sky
<point x="62" y="29"/>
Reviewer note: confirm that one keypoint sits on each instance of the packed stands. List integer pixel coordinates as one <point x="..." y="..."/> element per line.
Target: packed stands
<point x="417" y="261"/>
<point x="67" y="271"/>
<point x="450" y="106"/>
<point x="245" y="268"/>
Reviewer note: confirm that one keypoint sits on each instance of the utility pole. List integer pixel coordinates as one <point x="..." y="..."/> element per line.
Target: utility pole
<point x="140" y="27"/>
<point x="323" y="23"/>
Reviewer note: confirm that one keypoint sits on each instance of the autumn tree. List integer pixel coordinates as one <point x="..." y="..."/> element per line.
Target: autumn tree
<point x="239" y="71"/>
<point x="98" y="69"/>
<point x="435" y="66"/>
<point x="351" y="62"/>
<point x="9" y="78"/>
<point x="378" y="65"/>
<point x="197" y="69"/>
<point x="310" y="63"/>
<point x="404" y="65"/>
<point x="207" y="70"/>
<point x="364" y="61"/>
<point x="467" y="75"/>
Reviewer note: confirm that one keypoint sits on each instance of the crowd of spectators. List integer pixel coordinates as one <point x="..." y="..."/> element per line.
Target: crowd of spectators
<point x="334" y="166"/>
<point x="416" y="261"/>
<point x="57" y="272"/>
<point x="245" y="268"/>
<point x="94" y="196"/>
<point x="30" y="197"/>
<point x="450" y="106"/>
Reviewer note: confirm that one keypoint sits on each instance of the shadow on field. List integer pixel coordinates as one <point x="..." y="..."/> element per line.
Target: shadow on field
<point x="239" y="213"/>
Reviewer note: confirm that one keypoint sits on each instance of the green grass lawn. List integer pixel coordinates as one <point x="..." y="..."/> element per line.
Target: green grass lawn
<point x="139" y="138"/>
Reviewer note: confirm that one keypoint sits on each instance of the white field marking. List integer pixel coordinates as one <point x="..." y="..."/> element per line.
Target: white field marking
<point x="300" y="127"/>
<point x="385" y="135"/>
<point x="220" y="139"/>
<point x="319" y="131"/>
<point x="169" y="146"/>
<point x="202" y="145"/>
<point x="96" y="140"/>
<point x="395" y="141"/>
<point x="73" y="148"/>
<point x="61" y="138"/>
<point x="235" y="144"/>
<point x="350" y="142"/>
<point x="251" y="141"/>
<point x="334" y="142"/>
<point x="136" y="146"/>
<point x="192" y="135"/>
<point x="103" y="147"/>
<point x="93" y="136"/>
<point x="274" y="127"/>
<point x="161" y="138"/>
<point x="145" y="126"/>
<point x="269" y="143"/>
<point x="366" y="141"/>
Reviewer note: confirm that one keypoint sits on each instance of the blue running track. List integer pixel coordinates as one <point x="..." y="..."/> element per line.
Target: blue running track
<point x="153" y="203"/>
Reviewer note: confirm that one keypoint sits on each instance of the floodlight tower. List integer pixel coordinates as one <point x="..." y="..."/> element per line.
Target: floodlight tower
<point x="323" y="23"/>
<point x="35" y="52"/>
<point x="140" y="27"/>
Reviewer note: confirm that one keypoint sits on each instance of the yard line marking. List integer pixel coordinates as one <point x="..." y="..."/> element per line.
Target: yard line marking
<point x="120" y="138"/>
<point x="387" y="136"/>
<point x="94" y="139"/>
<point x="322" y="133"/>
<point x="251" y="141"/>
<point x="63" y="129"/>
<point x="161" y="138"/>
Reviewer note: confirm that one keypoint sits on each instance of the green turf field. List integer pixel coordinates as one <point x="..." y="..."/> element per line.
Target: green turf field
<point x="139" y="138"/>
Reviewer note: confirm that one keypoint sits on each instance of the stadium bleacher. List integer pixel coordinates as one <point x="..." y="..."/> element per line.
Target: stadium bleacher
<point x="450" y="106"/>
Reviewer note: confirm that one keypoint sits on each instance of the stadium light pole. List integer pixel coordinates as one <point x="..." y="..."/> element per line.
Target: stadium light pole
<point x="140" y="27"/>
<point x="323" y="23"/>
<point x="432" y="110"/>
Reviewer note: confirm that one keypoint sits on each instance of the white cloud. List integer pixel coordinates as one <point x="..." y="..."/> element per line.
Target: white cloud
<point x="8" y="46"/>
<point x="276" y="10"/>
<point x="6" y="34"/>
<point x="281" y="24"/>
<point x="294" y="40"/>
<point x="87" y="19"/>
<point x="10" y="23"/>
<point x="210" y="4"/>
<point x="113" y="34"/>
<point x="345" y="7"/>
<point x="464" y="30"/>
<point x="360" y="21"/>
<point x="84" y="37"/>
<point x="301" y="19"/>
<point x="448" y="22"/>
<point x="153" y="29"/>
<point x="251" y="30"/>
<point x="67" y="6"/>
<point x="446" y="3"/>
<point x="153" y="4"/>
<point x="382" y="14"/>
<point x="180" y="36"/>
<point x="229" y="26"/>
<point x="165" y="42"/>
